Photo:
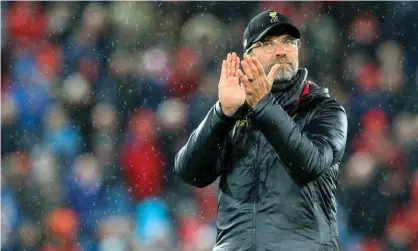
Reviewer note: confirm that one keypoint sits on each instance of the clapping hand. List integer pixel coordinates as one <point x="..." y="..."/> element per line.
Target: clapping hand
<point x="255" y="82"/>
<point x="231" y="93"/>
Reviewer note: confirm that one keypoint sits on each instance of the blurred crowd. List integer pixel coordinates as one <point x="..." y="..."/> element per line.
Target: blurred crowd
<point x="97" y="98"/>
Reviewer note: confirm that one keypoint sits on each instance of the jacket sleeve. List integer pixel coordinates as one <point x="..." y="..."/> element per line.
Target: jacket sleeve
<point x="198" y="162"/>
<point x="310" y="151"/>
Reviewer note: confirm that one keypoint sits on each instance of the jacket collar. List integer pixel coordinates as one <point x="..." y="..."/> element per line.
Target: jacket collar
<point x="298" y="91"/>
<point x="299" y="78"/>
<point x="293" y="89"/>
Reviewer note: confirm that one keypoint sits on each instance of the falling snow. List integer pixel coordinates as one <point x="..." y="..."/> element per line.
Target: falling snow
<point x="97" y="99"/>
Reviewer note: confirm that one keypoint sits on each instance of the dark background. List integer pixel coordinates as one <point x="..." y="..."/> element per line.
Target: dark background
<point x="98" y="97"/>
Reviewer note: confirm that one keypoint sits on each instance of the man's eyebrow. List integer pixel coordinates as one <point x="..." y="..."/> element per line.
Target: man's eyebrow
<point x="268" y="39"/>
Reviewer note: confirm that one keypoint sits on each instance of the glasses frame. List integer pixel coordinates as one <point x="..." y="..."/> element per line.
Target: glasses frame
<point x="293" y="41"/>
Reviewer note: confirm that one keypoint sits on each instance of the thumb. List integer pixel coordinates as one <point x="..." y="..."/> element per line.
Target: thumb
<point x="273" y="73"/>
<point x="239" y="73"/>
<point x="242" y="86"/>
<point x="243" y="79"/>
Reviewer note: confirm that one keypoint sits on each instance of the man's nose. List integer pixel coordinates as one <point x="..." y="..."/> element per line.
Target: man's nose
<point x="280" y="50"/>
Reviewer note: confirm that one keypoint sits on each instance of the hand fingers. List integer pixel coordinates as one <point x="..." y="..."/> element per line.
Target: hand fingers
<point x="273" y="73"/>
<point x="252" y="66"/>
<point x="237" y="62"/>
<point x="223" y="71"/>
<point x="244" y="79"/>
<point x="257" y="64"/>
<point x="237" y="73"/>
<point x="234" y="63"/>
<point x="240" y="74"/>
<point x="233" y="67"/>
<point x="247" y="88"/>
<point x="228" y="65"/>
<point x="247" y="69"/>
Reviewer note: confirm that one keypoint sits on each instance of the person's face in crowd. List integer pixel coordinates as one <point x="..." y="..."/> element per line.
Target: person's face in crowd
<point x="282" y="49"/>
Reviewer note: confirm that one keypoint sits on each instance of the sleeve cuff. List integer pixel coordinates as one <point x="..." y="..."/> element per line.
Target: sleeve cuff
<point x="261" y="105"/>
<point x="222" y="115"/>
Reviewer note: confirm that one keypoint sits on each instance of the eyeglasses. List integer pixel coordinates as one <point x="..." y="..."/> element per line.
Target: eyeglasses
<point x="270" y="46"/>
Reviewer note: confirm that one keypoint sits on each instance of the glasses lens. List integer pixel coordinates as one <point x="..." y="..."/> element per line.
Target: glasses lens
<point x="270" y="46"/>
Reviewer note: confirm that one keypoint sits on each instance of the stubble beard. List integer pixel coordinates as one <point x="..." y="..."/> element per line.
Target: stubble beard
<point x="286" y="71"/>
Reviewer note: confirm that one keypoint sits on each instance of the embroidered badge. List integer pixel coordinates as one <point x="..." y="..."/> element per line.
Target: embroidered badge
<point x="274" y="17"/>
<point x="241" y="123"/>
<point x="294" y="116"/>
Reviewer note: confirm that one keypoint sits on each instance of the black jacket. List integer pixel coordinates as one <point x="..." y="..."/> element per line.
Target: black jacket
<point x="278" y="168"/>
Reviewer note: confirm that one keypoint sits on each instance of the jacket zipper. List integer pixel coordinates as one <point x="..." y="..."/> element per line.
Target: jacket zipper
<point x="255" y="213"/>
<point x="255" y="197"/>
